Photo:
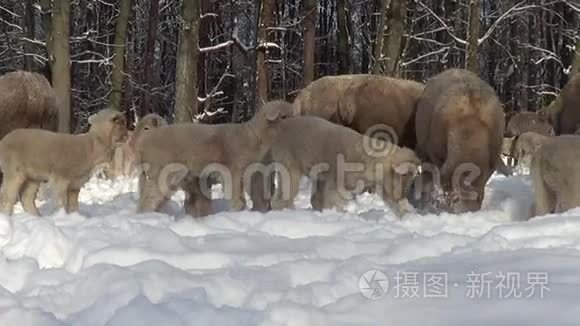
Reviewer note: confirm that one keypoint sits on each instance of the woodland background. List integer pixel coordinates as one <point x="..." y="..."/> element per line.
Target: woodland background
<point x="216" y="60"/>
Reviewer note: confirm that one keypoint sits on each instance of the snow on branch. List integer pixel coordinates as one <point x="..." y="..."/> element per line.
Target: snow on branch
<point x="446" y="27"/>
<point x="216" y="47"/>
<point x="419" y="58"/>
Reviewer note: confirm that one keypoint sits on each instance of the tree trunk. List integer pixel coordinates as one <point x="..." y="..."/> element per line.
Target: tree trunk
<point x="344" y="65"/>
<point x="381" y="36"/>
<point x="394" y="38"/>
<point x="118" y="74"/>
<point x="29" y="33"/>
<point x="266" y="14"/>
<point x="186" y="70"/>
<point x="149" y="61"/>
<point x="61" y="76"/>
<point x="471" y="62"/>
<point x="309" y="35"/>
<point x="46" y="7"/>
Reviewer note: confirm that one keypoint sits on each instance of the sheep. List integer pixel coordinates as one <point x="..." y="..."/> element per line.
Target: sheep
<point x="123" y="162"/>
<point x="526" y="145"/>
<point x="362" y="102"/>
<point x="323" y="151"/>
<point x="27" y="101"/>
<point x="563" y="113"/>
<point x="556" y="175"/>
<point x="179" y="155"/>
<point x="460" y="126"/>
<point x="528" y="121"/>
<point x="29" y="157"/>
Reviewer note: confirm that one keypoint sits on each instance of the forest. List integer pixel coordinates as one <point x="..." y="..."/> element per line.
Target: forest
<point x="218" y="60"/>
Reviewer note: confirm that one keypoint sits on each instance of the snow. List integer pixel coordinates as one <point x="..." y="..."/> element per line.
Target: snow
<point x="107" y="265"/>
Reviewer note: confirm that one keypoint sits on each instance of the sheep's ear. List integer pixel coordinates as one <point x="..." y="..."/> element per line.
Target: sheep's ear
<point x="273" y="114"/>
<point x="92" y="119"/>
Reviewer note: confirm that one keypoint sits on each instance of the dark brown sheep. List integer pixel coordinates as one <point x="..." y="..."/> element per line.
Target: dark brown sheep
<point x="564" y="112"/>
<point x="382" y="107"/>
<point x="460" y="126"/>
<point x="26" y="101"/>
<point x="364" y="101"/>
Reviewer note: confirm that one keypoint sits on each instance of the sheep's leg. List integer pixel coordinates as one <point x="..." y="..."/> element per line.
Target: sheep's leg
<point x="11" y="186"/>
<point x="317" y="196"/>
<point x="150" y="198"/>
<point x="196" y="203"/>
<point x="332" y="197"/>
<point x="237" y="201"/>
<point x="62" y="188"/>
<point x="261" y="191"/>
<point x="73" y="200"/>
<point x="287" y="190"/>
<point x="544" y="198"/>
<point x="28" y="197"/>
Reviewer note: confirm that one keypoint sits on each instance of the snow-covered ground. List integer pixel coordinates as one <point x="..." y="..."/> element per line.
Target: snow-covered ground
<point x="109" y="266"/>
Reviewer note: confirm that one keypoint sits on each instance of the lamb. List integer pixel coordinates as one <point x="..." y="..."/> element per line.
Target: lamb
<point x="180" y="156"/>
<point x="29" y="157"/>
<point x="556" y="175"/>
<point x="123" y="162"/>
<point x="385" y="166"/>
<point x="364" y="101"/>
<point x="460" y="126"/>
<point x="526" y="145"/>
<point x="27" y="101"/>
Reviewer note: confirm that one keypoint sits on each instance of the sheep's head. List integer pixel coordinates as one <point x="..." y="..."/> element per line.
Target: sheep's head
<point x="276" y="111"/>
<point x="399" y="168"/>
<point x="150" y="121"/>
<point x="110" y="124"/>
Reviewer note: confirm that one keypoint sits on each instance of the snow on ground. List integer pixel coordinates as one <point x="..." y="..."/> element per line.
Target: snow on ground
<point x="109" y="266"/>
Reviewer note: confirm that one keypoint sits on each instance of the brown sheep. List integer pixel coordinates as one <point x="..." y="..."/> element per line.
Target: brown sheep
<point x="320" y="98"/>
<point x="29" y="157"/>
<point x="381" y="102"/>
<point x="390" y="169"/>
<point x="27" y="101"/>
<point x="528" y="122"/>
<point x="460" y="126"/>
<point x="190" y="150"/>
<point x="363" y="101"/>
<point x="563" y="113"/>
<point x="556" y="175"/>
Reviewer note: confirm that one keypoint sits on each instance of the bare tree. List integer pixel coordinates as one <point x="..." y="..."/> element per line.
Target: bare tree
<point x="471" y="62"/>
<point x="393" y="39"/>
<point x="118" y="73"/>
<point x="310" y="12"/>
<point x="266" y="13"/>
<point x="149" y="61"/>
<point x="186" y="101"/>
<point x="381" y="32"/>
<point x="61" y="74"/>
<point x="29" y="34"/>
<point x="344" y="64"/>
